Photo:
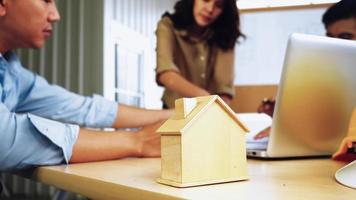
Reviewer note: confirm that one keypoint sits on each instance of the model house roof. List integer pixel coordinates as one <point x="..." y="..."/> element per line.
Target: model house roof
<point x="187" y="110"/>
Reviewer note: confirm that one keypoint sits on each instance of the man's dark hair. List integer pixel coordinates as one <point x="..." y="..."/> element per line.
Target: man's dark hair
<point x="343" y="9"/>
<point x="226" y="28"/>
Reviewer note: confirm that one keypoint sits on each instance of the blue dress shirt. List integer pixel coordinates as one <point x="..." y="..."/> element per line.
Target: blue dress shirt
<point x="38" y="121"/>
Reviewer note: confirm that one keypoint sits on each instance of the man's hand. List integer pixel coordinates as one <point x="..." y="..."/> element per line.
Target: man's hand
<point x="267" y="106"/>
<point x="262" y="134"/>
<point x="347" y="143"/>
<point x="98" y="145"/>
<point x="149" y="141"/>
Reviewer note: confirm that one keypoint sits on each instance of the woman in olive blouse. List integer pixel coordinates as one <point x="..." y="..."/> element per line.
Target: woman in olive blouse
<point x="195" y="49"/>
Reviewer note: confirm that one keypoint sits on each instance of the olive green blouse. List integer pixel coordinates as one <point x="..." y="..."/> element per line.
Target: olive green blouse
<point x="193" y="58"/>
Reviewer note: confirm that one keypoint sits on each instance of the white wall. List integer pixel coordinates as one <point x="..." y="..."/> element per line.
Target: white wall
<point x="259" y="58"/>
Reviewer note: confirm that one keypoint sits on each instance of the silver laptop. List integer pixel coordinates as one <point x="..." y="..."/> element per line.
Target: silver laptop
<point x="316" y="95"/>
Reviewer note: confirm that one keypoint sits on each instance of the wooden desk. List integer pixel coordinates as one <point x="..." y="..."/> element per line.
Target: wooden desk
<point x="135" y="179"/>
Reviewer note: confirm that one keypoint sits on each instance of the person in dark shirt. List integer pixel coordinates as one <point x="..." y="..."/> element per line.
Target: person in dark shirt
<point x="340" y="22"/>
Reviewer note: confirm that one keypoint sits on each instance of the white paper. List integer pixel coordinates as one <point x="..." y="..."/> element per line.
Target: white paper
<point x="255" y="122"/>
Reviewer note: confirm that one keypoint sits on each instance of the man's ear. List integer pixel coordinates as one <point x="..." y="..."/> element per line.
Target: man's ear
<point x="2" y="8"/>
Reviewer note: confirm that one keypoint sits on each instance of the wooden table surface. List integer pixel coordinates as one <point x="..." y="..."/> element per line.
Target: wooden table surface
<point x="134" y="178"/>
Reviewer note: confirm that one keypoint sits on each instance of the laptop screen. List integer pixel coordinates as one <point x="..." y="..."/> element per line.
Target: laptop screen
<point x="316" y="96"/>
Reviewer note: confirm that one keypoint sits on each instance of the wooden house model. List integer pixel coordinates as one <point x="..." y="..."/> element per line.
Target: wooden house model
<point x="203" y="143"/>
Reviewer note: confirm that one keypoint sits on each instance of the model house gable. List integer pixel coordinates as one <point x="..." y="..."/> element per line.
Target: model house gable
<point x="188" y="110"/>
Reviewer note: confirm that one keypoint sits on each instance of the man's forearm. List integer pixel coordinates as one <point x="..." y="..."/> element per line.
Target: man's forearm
<point x="97" y="146"/>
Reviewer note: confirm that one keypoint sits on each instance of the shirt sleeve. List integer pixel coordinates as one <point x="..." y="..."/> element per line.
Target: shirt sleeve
<point x="224" y="72"/>
<point x="56" y="103"/>
<point x="165" y="48"/>
<point x="28" y="140"/>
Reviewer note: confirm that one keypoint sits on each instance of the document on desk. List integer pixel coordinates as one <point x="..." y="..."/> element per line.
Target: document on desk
<point x="255" y="122"/>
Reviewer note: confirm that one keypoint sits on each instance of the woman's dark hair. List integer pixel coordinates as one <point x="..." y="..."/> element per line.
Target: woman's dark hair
<point x="344" y="9"/>
<point x="226" y="28"/>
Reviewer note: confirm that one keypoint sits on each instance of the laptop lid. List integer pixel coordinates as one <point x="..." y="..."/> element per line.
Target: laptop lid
<point x="316" y="95"/>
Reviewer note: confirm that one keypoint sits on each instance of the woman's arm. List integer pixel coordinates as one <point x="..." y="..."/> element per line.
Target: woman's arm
<point x="168" y="74"/>
<point x="175" y="82"/>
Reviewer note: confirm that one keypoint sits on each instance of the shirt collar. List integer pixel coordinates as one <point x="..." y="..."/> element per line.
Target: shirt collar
<point x="10" y="58"/>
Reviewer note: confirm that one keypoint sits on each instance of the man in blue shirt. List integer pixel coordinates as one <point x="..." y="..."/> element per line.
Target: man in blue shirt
<point x="39" y="122"/>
